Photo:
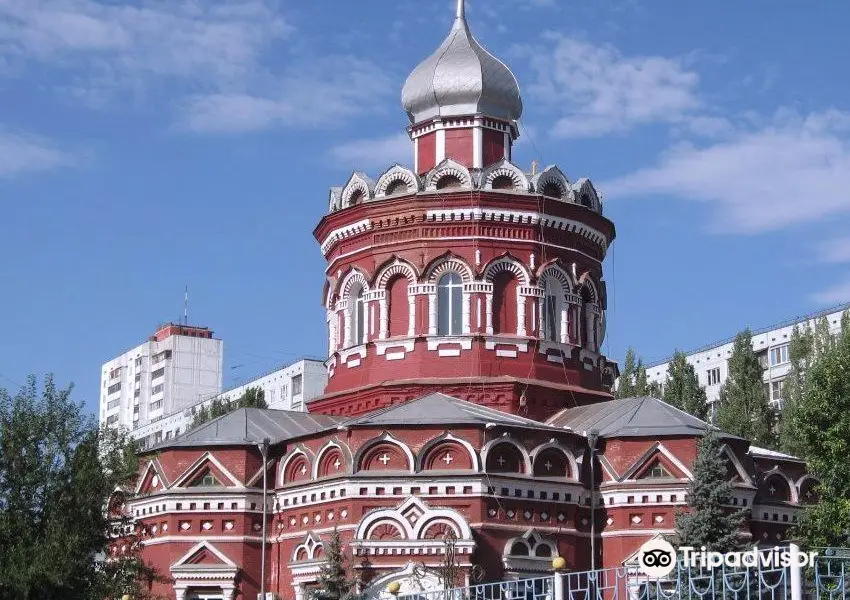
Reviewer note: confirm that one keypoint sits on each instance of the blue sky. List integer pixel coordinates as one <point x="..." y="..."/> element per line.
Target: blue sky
<point x="145" y="146"/>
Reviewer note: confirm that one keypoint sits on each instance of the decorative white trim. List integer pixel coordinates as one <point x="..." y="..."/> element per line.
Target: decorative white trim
<point x="201" y="546"/>
<point x="447" y="437"/>
<point x="330" y="444"/>
<point x="568" y="454"/>
<point x="504" y="168"/>
<point x="413" y="517"/>
<point x="440" y="146"/>
<point x="507" y="439"/>
<point x="382" y="346"/>
<point x="153" y="465"/>
<point x="297" y="451"/>
<point x="342" y="233"/>
<point x="659" y="448"/>
<point x="434" y="342"/>
<point x="195" y="466"/>
<point x="520" y="217"/>
<point x="477" y="145"/>
<point x="792" y="488"/>
<point x="357" y="182"/>
<point x="395" y="174"/>
<point x="444" y="168"/>
<point x="383" y="439"/>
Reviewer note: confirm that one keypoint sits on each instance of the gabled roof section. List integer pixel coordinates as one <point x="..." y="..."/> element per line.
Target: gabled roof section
<point x="441" y="409"/>
<point x="249" y="426"/>
<point x="204" y="553"/>
<point x="145" y="483"/>
<point x="632" y="417"/>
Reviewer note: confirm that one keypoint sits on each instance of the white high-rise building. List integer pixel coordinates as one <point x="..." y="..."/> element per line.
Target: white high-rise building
<point x="772" y="346"/>
<point x="175" y="368"/>
<point x="287" y="388"/>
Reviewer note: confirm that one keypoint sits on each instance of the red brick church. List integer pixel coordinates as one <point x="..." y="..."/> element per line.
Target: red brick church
<point x="467" y="391"/>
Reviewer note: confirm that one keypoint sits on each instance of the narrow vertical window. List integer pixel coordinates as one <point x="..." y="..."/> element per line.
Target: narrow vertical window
<point x="449" y="300"/>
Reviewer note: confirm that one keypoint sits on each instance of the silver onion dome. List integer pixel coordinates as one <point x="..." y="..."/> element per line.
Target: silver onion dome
<point x="461" y="78"/>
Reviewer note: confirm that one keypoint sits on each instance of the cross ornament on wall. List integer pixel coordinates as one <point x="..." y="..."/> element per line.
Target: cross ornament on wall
<point x="303" y="469"/>
<point x="337" y="464"/>
<point x="501" y="460"/>
<point x="384" y="458"/>
<point x="448" y="458"/>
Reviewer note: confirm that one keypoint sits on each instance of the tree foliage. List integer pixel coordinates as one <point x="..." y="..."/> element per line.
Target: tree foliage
<point x="334" y="582"/>
<point x="709" y="522"/>
<point x="641" y="384"/>
<point x="57" y="470"/>
<point x="743" y="408"/>
<point x="682" y="388"/>
<point x="253" y="397"/>
<point x="626" y="386"/>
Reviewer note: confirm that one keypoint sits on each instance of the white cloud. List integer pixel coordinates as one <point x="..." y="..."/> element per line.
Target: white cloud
<point x="791" y="170"/>
<point x="599" y="91"/>
<point x="833" y="296"/>
<point x="212" y="42"/>
<point x="317" y="93"/>
<point x="375" y="153"/>
<point x="21" y="153"/>
<point x="836" y="251"/>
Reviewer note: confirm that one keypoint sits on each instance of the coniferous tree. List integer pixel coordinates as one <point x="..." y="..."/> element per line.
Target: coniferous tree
<point x="626" y="387"/>
<point x="682" y="389"/>
<point x="709" y="522"/>
<point x="641" y="384"/>
<point x="744" y="409"/>
<point x="333" y="580"/>
<point x="655" y="390"/>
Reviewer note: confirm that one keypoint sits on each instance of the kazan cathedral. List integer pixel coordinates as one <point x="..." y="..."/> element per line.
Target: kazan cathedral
<point x="467" y="394"/>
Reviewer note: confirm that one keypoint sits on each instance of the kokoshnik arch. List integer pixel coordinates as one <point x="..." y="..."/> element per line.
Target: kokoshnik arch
<point x="465" y="306"/>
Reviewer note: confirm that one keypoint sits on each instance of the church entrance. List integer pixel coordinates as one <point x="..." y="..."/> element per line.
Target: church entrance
<point x="205" y="595"/>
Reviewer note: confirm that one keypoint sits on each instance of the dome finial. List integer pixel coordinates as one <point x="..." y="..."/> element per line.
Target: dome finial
<point x="461" y="10"/>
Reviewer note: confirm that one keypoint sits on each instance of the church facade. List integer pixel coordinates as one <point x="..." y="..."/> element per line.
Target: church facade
<point x="468" y="397"/>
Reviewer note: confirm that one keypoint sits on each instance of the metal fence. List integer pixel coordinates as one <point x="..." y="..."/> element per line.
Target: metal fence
<point x="828" y="578"/>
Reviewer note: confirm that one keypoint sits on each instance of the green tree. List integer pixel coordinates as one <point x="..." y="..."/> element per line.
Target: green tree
<point x="253" y="397"/>
<point x="655" y="390"/>
<point x="801" y="352"/>
<point x="57" y="468"/>
<point x="626" y="387"/>
<point x="333" y="581"/>
<point x="709" y="522"/>
<point x="641" y="384"/>
<point x="682" y="389"/>
<point x="744" y="409"/>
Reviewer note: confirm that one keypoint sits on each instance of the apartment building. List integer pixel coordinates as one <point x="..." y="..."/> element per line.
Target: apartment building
<point x="771" y="346"/>
<point x="288" y="388"/>
<point x="173" y="369"/>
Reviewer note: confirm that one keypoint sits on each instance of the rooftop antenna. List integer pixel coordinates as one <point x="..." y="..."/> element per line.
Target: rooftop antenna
<point x="186" y="306"/>
<point x="534" y="167"/>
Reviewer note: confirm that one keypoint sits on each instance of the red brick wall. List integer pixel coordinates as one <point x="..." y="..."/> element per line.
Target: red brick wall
<point x="459" y="145"/>
<point x="427" y="145"/>
<point x="494" y="146"/>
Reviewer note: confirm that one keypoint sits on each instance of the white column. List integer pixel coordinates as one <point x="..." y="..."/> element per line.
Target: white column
<point x="432" y="314"/>
<point x="796" y="579"/>
<point x="520" y="314"/>
<point x="477" y="147"/>
<point x="180" y="592"/>
<point x="541" y="325"/>
<point x="478" y="313"/>
<point x="331" y="331"/>
<point x="590" y="328"/>
<point x="441" y="144"/>
<point x="465" y="313"/>
<point x="347" y="317"/>
<point x="489" y="307"/>
<point x="416" y="155"/>
<point x="564" y="329"/>
<point x="411" y="319"/>
<point x="385" y="318"/>
<point x="507" y="145"/>
<point x="534" y="316"/>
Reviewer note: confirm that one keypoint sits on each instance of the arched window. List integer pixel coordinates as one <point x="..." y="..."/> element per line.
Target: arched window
<point x="504" y="303"/>
<point x="358" y="317"/>
<point x="552" y="306"/>
<point x="449" y="301"/>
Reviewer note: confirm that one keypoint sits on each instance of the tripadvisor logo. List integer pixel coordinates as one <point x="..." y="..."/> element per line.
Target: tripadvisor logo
<point x="658" y="558"/>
